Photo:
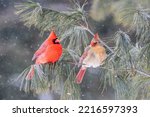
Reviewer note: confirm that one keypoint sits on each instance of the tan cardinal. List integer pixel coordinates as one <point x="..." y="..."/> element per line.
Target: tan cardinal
<point x="93" y="56"/>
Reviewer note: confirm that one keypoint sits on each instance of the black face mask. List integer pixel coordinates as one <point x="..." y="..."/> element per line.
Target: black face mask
<point x="54" y="41"/>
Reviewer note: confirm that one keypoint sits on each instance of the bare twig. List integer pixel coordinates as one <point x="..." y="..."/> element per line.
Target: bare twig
<point x="142" y="73"/>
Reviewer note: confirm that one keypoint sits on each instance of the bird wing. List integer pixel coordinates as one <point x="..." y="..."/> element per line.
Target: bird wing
<point x="90" y="60"/>
<point x="41" y="49"/>
<point x="51" y="54"/>
<point x="84" y="55"/>
<point x="95" y="57"/>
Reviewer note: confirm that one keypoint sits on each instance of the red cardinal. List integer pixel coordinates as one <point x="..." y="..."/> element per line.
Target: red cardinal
<point x="49" y="52"/>
<point x="93" y="56"/>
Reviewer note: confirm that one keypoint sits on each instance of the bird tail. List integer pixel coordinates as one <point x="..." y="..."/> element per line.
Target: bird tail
<point x="80" y="75"/>
<point x="30" y="74"/>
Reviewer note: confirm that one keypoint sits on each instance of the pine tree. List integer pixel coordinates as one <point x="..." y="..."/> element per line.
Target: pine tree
<point x="126" y="68"/>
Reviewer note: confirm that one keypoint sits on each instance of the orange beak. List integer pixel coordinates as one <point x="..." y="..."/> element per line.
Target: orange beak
<point x="58" y="41"/>
<point x="93" y="43"/>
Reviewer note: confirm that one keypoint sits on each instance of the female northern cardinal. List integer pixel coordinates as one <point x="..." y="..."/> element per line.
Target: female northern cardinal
<point x="93" y="56"/>
<point x="49" y="52"/>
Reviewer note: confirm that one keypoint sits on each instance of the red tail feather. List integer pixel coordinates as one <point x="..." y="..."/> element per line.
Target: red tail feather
<point x="80" y="75"/>
<point x="31" y="73"/>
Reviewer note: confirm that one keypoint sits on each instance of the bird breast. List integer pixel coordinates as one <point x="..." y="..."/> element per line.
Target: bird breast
<point x="95" y="57"/>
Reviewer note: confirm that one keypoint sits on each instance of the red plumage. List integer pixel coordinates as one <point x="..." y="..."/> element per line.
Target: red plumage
<point x="49" y="52"/>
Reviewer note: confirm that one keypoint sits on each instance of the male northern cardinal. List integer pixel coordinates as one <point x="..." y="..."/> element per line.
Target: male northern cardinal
<point x="93" y="56"/>
<point x="49" y="52"/>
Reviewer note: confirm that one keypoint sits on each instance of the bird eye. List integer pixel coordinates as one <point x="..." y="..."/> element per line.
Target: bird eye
<point x="55" y="39"/>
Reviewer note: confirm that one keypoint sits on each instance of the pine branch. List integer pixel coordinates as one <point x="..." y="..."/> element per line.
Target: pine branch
<point x="37" y="84"/>
<point x="140" y="88"/>
<point x="121" y="64"/>
<point x="75" y="39"/>
<point x="32" y="13"/>
<point x="126" y="67"/>
<point x="71" y="89"/>
<point x="142" y="73"/>
<point x="141" y="25"/>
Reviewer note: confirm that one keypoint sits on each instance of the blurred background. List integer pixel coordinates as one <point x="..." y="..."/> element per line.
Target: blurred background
<point x="18" y="43"/>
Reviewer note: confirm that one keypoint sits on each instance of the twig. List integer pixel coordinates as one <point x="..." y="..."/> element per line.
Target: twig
<point x="138" y="71"/>
<point x="142" y="73"/>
